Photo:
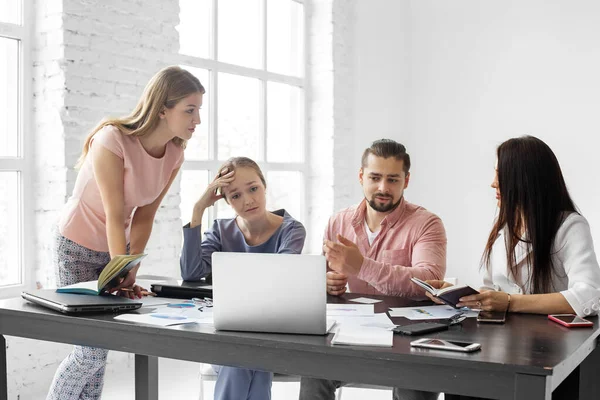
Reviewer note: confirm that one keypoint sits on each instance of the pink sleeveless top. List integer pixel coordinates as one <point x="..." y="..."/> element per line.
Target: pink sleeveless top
<point x="83" y="219"/>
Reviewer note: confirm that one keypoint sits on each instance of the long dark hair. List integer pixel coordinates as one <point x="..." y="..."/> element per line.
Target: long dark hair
<point x="533" y="199"/>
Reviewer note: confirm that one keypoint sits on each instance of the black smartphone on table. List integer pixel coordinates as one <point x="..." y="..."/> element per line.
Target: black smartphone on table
<point x="420" y="328"/>
<point x="495" y="317"/>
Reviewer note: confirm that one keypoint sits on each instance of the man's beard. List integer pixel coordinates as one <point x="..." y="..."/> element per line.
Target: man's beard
<point x="383" y="208"/>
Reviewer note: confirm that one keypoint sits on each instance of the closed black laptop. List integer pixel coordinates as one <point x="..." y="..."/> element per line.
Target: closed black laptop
<point x="69" y="303"/>
<point x="185" y="290"/>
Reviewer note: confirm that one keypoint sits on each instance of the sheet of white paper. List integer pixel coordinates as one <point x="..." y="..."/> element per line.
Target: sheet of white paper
<point x="155" y="319"/>
<point x="380" y="320"/>
<point x="202" y="317"/>
<point x="330" y="324"/>
<point x="428" y="312"/>
<point x="366" y="300"/>
<point x="362" y="336"/>
<point x="350" y="310"/>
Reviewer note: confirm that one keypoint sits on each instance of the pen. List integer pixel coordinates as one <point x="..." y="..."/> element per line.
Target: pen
<point x="144" y="292"/>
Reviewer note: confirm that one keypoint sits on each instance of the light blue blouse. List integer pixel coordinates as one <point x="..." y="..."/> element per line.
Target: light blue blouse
<point x="196" y="256"/>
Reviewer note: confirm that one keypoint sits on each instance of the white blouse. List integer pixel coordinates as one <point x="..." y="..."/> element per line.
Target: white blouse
<point x="576" y="271"/>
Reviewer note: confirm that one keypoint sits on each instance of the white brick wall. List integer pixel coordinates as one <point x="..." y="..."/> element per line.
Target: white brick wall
<point x="345" y="167"/>
<point x="320" y="119"/>
<point x="92" y="59"/>
<point x="330" y="76"/>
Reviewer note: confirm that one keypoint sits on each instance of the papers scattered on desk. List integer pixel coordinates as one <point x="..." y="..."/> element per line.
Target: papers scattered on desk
<point x="372" y="321"/>
<point x="156" y="319"/>
<point x="365" y="330"/>
<point x="167" y="312"/>
<point x="363" y="336"/>
<point x="428" y="312"/>
<point x="202" y="317"/>
<point x="350" y="310"/>
<point x="365" y="300"/>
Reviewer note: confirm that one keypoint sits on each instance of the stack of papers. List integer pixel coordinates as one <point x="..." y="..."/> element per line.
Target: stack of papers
<point x="363" y="336"/>
<point x="358" y="325"/>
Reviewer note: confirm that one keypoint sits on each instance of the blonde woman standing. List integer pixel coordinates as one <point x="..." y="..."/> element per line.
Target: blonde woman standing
<point x="126" y="168"/>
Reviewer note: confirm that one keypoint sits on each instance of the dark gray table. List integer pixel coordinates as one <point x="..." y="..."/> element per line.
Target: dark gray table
<point x="525" y="359"/>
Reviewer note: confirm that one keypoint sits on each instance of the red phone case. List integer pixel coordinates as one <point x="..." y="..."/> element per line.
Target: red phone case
<point x="570" y="325"/>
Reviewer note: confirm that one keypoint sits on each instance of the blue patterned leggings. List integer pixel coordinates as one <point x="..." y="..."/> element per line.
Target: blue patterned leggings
<point x="81" y="374"/>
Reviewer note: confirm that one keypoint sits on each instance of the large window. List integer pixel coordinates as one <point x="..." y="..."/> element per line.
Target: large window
<point x="249" y="55"/>
<point x="15" y="176"/>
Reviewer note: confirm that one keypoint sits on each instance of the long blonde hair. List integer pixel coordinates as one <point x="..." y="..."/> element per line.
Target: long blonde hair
<point x="164" y="90"/>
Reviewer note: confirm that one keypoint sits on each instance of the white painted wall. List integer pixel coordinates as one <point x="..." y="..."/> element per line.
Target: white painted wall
<point x="473" y="74"/>
<point x="450" y="80"/>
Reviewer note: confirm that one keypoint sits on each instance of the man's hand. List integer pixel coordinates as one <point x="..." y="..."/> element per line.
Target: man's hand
<point x="336" y="283"/>
<point x="344" y="256"/>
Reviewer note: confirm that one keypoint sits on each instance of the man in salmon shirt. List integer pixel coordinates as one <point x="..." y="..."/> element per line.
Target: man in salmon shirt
<point x="376" y="246"/>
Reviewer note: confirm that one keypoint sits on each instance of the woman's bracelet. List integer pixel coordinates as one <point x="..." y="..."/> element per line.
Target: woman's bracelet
<point x="508" y="304"/>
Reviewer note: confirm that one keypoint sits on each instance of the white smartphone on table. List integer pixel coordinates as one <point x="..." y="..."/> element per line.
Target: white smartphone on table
<point x="442" y="344"/>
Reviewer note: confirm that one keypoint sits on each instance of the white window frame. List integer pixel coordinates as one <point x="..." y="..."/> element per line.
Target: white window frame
<point x="214" y="67"/>
<point x="23" y="162"/>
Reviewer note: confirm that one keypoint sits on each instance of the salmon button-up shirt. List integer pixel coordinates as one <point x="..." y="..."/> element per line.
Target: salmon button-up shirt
<point x="411" y="243"/>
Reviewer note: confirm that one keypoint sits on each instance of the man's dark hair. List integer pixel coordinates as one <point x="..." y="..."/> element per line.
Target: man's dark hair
<point x="387" y="148"/>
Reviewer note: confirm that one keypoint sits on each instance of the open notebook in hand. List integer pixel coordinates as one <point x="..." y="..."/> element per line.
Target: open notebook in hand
<point x="109" y="278"/>
<point x="449" y="295"/>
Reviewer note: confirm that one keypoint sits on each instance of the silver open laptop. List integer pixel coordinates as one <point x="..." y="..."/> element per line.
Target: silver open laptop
<point x="282" y="293"/>
<point x="69" y="303"/>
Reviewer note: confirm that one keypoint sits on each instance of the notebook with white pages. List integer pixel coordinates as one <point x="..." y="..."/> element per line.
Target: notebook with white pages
<point x="353" y="335"/>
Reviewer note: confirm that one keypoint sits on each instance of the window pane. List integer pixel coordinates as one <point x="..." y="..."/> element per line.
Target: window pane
<point x="224" y="210"/>
<point x="240" y="32"/>
<point x="285" y="189"/>
<point x="198" y="146"/>
<point x="285" y="128"/>
<point x="194" y="27"/>
<point x="285" y="37"/>
<point x="10" y="229"/>
<point x="11" y="11"/>
<point x="193" y="184"/>
<point x="238" y="111"/>
<point x="9" y="97"/>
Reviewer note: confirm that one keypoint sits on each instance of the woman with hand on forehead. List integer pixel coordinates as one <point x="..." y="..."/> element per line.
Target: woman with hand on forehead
<point x="254" y="229"/>
<point x="539" y="256"/>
